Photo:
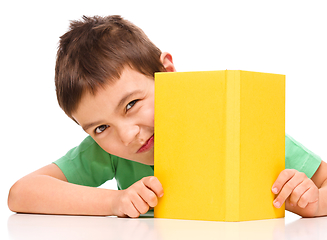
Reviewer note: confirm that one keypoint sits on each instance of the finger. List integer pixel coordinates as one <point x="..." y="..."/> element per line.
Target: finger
<point x="129" y="210"/>
<point x="140" y="204"/>
<point x="308" y="197"/>
<point x="288" y="188"/>
<point x="127" y="207"/>
<point x="298" y="192"/>
<point x="147" y="195"/>
<point x="154" y="185"/>
<point x="283" y="177"/>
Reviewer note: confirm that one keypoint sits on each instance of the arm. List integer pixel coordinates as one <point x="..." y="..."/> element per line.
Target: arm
<point x="303" y="196"/>
<point x="47" y="191"/>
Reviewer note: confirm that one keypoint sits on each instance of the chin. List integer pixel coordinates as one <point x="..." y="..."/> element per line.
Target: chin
<point x="143" y="160"/>
<point x="146" y="158"/>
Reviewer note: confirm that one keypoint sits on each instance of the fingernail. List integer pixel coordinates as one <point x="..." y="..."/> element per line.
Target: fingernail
<point x="161" y="195"/>
<point x="275" y="190"/>
<point x="276" y="204"/>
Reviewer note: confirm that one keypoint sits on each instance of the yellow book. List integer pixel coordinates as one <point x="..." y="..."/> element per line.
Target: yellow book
<point x="219" y="144"/>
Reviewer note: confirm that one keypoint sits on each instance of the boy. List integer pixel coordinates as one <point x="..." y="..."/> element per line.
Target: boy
<point x="104" y="82"/>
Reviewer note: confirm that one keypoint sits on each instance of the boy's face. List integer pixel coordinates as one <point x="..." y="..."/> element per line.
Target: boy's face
<point x="120" y="116"/>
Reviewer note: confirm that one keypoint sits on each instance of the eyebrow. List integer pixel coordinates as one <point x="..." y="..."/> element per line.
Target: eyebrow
<point x="125" y="97"/>
<point x="119" y="105"/>
<point x="89" y="125"/>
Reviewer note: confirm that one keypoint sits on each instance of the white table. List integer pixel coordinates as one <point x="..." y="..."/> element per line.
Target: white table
<point x="29" y="226"/>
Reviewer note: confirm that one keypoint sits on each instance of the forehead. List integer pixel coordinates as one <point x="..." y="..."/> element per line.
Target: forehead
<point x="110" y="95"/>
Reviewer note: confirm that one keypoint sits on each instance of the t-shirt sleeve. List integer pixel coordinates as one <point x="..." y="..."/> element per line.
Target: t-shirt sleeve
<point x="87" y="164"/>
<point x="300" y="158"/>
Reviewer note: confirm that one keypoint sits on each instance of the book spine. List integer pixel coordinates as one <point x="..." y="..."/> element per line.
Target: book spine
<point x="233" y="81"/>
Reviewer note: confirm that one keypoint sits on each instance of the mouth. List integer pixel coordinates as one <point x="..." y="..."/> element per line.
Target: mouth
<point x="147" y="145"/>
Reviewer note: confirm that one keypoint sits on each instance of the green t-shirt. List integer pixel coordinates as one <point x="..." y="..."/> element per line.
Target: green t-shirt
<point x="89" y="165"/>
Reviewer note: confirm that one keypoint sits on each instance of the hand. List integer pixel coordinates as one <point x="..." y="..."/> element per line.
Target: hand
<point x="138" y="198"/>
<point x="299" y="193"/>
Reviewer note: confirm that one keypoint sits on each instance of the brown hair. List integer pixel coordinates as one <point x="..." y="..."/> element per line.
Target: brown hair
<point x="94" y="52"/>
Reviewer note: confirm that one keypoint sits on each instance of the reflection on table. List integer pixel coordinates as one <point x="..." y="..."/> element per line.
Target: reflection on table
<point x="30" y="226"/>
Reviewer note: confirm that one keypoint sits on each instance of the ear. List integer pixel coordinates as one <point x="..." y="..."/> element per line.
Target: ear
<point x="167" y="61"/>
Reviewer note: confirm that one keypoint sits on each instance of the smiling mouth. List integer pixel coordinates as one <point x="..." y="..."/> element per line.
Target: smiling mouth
<point x="147" y="146"/>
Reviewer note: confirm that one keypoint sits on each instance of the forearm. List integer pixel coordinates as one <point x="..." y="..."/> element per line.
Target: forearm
<point x="322" y="209"/>
<point x="48" y="195"/>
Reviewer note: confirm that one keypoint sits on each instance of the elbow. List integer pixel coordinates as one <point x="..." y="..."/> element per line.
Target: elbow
<point x="14" y="196"/>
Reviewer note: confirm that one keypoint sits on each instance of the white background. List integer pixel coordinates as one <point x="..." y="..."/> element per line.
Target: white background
<point x="284" y="37"/>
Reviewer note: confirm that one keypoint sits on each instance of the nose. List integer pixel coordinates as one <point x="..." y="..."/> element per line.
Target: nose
<point x="128" y="133"/>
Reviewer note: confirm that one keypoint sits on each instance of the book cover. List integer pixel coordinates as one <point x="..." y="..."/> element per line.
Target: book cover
<point x="219" y="144"/>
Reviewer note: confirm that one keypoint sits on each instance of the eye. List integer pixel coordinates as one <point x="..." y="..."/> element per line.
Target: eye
<point x="130" y="105"/>
<point x="100" y="129"/>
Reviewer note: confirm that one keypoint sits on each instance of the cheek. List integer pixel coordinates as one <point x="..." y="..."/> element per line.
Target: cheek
<point x="116" y="150"/>
<point x="151" y="119"/>
<point x="147" y="116"/>
<point x="110" y="146"/>
<point x="151" y="114"/>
